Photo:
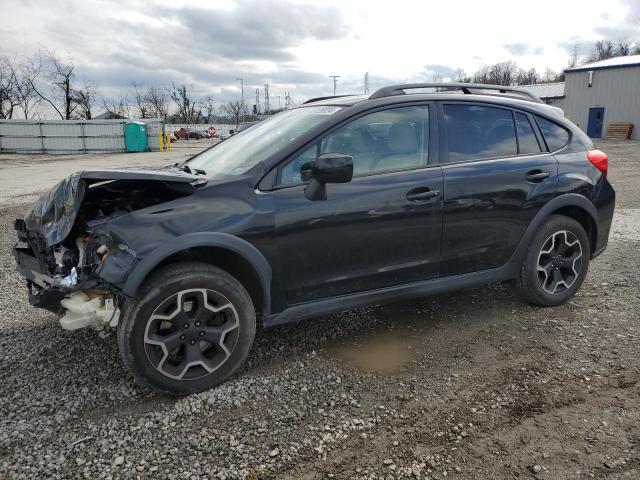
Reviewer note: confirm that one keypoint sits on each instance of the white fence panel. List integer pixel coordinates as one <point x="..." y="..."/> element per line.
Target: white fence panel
<point x="71" y="136"/>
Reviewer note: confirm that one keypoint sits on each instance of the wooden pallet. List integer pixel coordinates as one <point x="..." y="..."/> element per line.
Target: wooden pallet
<point x="619" y="131"/>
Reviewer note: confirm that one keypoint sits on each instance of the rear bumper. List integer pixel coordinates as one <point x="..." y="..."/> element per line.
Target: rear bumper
<point x="604" y="202"/>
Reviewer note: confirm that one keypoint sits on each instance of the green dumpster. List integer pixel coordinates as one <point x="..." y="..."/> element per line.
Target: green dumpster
<point x="135" y="137"/>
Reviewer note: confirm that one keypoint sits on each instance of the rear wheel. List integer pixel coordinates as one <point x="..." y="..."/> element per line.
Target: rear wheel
<point x="556" y="263"/>
<point x="191" y="328"/>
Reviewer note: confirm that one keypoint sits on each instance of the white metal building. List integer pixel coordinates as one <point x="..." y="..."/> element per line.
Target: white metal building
<point x="549" y="93"/>
<point x="604" y="92"/>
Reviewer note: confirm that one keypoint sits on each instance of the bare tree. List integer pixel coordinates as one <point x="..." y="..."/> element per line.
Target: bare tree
<point x="235" y="109"/>
<point x="602" y="50"/>
<point x="117" y="106"/>
<point x="549" y="76"/>
<point x="527" y="77"/>
<point x="140" y="97"/>
<point x="60" y="77"/>
<point x="209" y="107"/>
<point x="187" y="108"/>
<point x="503" y="73"/>
<point x="623" y="48"/>
<point x="84" y="99"/>
<point x="158" y="101"/>
<point x="9" y="97"/>
<point x="29" y="72"/>
<point x="461" y="76"/>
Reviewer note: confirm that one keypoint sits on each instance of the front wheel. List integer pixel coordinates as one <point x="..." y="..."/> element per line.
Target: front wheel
<point x="189" y="330"/>
<point x="556" y="262"/>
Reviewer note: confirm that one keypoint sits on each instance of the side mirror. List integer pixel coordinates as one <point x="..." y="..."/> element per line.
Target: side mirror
<point x="328" y="168"/>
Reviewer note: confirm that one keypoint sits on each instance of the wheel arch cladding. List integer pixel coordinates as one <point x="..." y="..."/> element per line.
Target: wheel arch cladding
<point x="570" y="205"/>
<point x="232" y="254"/>
<point x="583" y="217"/>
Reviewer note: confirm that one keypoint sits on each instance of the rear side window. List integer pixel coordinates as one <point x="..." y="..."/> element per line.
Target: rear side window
<point x="527" y="141"/>
<point x="555" y="135"/>
<point x="476" y="132"/>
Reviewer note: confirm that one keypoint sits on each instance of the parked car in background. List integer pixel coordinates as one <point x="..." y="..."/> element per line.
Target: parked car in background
<point x="186" y="134"/>
<point x="342" y="202"/>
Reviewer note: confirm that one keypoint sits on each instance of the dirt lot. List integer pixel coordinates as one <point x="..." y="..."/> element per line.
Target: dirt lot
<point x="471" y="385"/>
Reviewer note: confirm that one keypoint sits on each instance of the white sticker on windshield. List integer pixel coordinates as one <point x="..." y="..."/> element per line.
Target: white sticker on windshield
<point x="328" y="110"/>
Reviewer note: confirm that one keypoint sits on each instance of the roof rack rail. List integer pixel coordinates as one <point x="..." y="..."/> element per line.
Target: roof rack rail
<point x="465" y="87"/>
<point x="317" y="99"/>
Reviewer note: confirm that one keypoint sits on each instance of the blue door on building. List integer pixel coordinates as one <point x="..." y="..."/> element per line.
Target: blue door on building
<point x="596" y="120"/>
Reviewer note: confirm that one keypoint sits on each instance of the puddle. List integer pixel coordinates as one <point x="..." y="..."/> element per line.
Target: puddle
<point x="385" y="353"/>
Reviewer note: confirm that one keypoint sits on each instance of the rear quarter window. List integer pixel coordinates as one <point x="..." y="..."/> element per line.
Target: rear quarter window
<point x="555" y="135"/>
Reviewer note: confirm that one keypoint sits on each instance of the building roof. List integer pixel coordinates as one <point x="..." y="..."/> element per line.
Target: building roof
<point x="615" y="62"/>
<point x="109" y="116"/>
<point x="546" y="90"/>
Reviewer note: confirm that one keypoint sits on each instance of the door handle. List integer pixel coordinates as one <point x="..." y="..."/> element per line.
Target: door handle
<point x="421" y="194"/>
<point x="535" y="176"/>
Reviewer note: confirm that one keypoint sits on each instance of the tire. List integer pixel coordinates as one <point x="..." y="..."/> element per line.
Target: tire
<point x="559" y="247"/>
<point x="190" y="328"/>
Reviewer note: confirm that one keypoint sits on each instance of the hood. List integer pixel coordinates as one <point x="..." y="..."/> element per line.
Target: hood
<point x="54" y="214"/>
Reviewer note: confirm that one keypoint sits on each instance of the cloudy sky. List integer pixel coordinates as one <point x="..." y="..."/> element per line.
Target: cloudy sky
<point x="295" y="45"/>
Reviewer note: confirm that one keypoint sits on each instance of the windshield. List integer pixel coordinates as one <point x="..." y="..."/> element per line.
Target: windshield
<point x="241" y="152"/>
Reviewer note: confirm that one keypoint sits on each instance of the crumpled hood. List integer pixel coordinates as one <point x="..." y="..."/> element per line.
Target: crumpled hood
<point x="54" y="214"/>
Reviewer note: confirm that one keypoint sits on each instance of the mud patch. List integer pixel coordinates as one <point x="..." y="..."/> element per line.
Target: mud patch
<point x="385" y="353"/>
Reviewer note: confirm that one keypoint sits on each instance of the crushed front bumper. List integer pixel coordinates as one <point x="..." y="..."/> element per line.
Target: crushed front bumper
<point x="42" y="289"/>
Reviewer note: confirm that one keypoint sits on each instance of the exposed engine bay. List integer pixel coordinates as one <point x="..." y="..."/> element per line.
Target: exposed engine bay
<point x="73" y="264"/>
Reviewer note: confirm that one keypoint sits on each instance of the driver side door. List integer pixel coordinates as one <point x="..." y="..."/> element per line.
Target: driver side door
<point x="382" y="229"/>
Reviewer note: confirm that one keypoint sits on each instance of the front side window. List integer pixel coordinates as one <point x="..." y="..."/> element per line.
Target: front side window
<point x="476" y="132"/>
<point x="555" y="136"/>
<point x="527" y="140"/>
<point x="384" y="141"/>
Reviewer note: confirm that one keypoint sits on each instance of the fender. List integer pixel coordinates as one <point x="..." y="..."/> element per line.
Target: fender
<point x="565" y="200"/>
<point x="204" y="239"/>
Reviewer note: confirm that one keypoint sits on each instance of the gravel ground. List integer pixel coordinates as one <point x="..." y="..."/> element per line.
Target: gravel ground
<point x="470" y="385"/>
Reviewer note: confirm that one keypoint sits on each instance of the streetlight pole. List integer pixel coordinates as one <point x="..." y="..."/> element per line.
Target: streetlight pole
<point x="241" y="96"/>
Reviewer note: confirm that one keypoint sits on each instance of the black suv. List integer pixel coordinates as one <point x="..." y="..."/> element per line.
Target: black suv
<point x="342" y="202"/>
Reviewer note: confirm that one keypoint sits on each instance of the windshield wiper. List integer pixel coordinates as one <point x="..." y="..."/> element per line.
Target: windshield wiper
<point x="188" y="169"/>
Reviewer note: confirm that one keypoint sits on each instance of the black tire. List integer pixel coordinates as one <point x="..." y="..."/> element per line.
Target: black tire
<point x="170" y="291"/>
<point x="534" y="285"/>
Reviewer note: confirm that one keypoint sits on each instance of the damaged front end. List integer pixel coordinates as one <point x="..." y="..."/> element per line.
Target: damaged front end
<point x="73" y="264"/>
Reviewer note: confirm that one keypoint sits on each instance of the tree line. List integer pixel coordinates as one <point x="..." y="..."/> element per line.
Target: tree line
<point x="509" y="74"/>
<point x="45" y="80"/>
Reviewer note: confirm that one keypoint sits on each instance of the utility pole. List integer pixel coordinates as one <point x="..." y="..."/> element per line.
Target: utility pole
<point x="241" y="95"/>
<point x="257" y="101"/>
<point x="366" y="83"/>
<point x="279" y="105"/>
<point x="335" y="81"/>
<point x="267" y="107"/>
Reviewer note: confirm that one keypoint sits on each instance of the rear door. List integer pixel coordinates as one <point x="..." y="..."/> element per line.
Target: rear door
<point x="497" y="176"/>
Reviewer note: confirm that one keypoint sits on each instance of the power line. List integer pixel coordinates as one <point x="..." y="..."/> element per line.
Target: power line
<point x="335" y="82"/>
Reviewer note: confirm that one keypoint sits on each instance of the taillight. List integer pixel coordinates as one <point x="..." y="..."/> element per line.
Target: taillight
<point x="600" y="160"/>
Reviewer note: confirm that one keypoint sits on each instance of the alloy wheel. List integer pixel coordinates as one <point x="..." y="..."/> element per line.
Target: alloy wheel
<point x="559" y="262"/>
<point x="191" y="334"/>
